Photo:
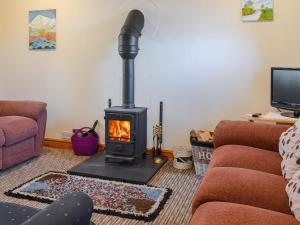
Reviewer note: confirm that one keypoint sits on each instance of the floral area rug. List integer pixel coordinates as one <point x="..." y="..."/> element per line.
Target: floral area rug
<point x="133" y="201"/>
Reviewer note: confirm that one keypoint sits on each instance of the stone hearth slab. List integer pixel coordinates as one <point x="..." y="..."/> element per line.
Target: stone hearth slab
<point x="139" y="172"/>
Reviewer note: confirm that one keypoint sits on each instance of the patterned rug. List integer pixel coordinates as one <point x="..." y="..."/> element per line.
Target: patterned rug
<point x="133" y="201"/>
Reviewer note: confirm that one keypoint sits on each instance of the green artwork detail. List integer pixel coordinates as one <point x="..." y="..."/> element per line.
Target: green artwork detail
<point x="257" y="10"/>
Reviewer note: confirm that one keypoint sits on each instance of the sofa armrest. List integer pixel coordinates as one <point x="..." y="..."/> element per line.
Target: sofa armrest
<point x="30" y="109"/>
<point x="257" y="135"/>
<point x="74" y="208"/>
<point x="39" y="138"/>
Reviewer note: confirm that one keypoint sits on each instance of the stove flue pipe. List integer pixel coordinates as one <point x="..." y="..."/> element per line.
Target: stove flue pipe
<point x="128" y="50"/>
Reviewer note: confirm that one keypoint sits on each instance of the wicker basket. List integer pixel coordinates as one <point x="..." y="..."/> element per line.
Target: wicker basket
<point x="183" y="158"/>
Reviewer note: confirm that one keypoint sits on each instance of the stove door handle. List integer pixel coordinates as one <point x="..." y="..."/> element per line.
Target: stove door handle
<point x="133" y="137"/>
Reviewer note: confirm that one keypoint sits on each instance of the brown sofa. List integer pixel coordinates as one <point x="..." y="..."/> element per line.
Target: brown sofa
<point x="22" y="131"/>
<point x="244" y="185"/>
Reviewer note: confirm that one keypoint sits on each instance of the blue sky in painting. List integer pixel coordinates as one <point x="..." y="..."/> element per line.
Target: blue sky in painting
<point x="258" y="3"/>
<point x="47" y="13"/>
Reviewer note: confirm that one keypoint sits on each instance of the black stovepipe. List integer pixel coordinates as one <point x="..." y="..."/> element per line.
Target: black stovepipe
<point x="128" y="50"/>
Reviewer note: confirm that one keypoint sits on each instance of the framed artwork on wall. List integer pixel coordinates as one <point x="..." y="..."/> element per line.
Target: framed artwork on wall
<point x="257" y="10"/>
<point x="42" y="29"/>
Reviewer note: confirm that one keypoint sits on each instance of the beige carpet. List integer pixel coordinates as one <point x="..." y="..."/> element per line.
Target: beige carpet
<point x="177" y="210"/>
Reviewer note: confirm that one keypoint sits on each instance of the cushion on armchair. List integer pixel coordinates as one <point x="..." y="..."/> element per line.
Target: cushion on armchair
<point x="16" y="129"/>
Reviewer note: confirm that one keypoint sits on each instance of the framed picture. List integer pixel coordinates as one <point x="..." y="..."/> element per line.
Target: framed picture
<point x="257" y="10"/>
<point x="42" y="29"/>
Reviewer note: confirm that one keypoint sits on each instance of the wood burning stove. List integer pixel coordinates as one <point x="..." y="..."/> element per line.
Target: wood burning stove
<point x="126" y="125"/>
<point x="126" y="133"/>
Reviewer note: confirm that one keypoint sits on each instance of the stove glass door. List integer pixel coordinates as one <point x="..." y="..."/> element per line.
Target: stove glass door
<point x="119" y="130"/>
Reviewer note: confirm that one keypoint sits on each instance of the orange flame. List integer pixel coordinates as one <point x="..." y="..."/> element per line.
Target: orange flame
<point x="119" y="130"/>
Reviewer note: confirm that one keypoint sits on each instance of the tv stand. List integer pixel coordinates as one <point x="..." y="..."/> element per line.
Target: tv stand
<point x="291" y="114"/>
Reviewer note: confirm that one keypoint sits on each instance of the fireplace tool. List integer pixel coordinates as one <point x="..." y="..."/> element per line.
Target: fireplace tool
<point x="158" y="137"/>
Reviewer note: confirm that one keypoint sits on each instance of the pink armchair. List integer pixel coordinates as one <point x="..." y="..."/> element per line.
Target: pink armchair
<point x="22" y="131"/>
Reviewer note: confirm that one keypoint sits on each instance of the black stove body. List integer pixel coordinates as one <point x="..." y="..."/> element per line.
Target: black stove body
<point x="126" y="125"/>
<point x="126" y="137"/>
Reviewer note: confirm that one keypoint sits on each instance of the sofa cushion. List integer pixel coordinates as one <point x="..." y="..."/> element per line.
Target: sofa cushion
<point x="77" y="206"/>
<point x="13" y="214"/>
<point x="17" y="128"/>
<point x="222" y="213"/>
<point x="290" y="164"/>
<point x="259" y="135"/>
<point x="286" y="140"/>
<point x="246" y="157"/>
<point x="289" y="149"/>
<point x="243" y="186"/>
<point x="293" y="191"/>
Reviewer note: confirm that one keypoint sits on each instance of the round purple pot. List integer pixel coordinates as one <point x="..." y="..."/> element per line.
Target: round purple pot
<point x="84" y="141"/>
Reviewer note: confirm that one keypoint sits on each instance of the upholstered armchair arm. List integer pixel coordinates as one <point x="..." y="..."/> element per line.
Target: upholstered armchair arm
<point x="39" y="139"/>
<point x="75" y="208"/>
<point x="31" y="109"/>
<point x="257" y="135"/>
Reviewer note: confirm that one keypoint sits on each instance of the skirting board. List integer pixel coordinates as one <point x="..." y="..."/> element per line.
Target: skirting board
<point x="66" y="144"/>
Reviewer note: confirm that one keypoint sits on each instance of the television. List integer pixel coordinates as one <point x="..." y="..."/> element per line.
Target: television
<point x="285" y="90"/>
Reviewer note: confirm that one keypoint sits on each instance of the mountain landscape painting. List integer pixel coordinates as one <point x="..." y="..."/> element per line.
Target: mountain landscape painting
<point x="257" y="10"/>
<point x="42" y="29"/>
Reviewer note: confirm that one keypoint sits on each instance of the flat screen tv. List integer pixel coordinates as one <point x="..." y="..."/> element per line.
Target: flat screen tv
<point x="285" y="90"/>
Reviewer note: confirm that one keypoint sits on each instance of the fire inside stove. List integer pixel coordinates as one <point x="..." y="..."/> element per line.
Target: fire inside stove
<point x="119" y="130"/>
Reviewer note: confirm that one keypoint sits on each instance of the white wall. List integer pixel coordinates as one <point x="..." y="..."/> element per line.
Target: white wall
<point x="196" y="55"/>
